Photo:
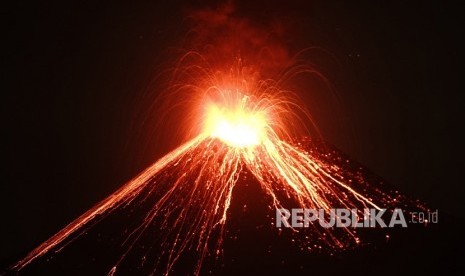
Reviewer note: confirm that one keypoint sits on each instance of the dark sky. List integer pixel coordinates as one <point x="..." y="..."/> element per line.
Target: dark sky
<point x="73" y="98"/>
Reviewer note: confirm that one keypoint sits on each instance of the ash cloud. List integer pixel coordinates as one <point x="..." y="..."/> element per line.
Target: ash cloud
<point x="228" y="34"/>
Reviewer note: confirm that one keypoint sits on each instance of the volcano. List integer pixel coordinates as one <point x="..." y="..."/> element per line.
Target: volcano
<point x="207" y="207"/>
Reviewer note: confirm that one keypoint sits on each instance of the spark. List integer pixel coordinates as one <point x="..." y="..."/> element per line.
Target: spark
<point x="243" y="125"/>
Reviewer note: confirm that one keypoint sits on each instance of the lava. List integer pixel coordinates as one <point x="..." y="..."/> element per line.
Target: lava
<point x="237" y="128"/>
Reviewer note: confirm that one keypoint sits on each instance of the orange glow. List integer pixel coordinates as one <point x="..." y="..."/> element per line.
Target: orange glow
<point x="237" y="127"/>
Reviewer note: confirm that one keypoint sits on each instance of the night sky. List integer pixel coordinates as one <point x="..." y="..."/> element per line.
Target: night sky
<point x="79" y="121"/>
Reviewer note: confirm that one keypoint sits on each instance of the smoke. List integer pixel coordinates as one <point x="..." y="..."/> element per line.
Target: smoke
<point x="228" y="34"/>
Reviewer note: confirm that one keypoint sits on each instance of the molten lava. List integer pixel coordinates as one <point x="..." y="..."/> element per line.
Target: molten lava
<point x="237" y="127"/>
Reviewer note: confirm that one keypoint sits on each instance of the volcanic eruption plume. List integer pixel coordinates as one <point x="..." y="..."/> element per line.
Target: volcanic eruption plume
<point x="239" y="123"/>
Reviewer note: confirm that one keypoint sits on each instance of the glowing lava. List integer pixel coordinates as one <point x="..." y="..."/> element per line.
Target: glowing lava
<point x="238" y="127"/>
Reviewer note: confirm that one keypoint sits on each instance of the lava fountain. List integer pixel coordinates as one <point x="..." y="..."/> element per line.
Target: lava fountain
<point x="242" y="124"/>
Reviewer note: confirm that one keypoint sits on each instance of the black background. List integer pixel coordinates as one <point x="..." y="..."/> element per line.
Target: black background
<point x="71" y="99"/>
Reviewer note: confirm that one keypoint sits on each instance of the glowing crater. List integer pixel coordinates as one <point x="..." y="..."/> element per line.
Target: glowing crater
<point x="237" y="127"/>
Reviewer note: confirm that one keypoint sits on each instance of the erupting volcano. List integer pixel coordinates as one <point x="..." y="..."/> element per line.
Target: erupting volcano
<point x="243" y="128"/>
<point x="241" y="125"/>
